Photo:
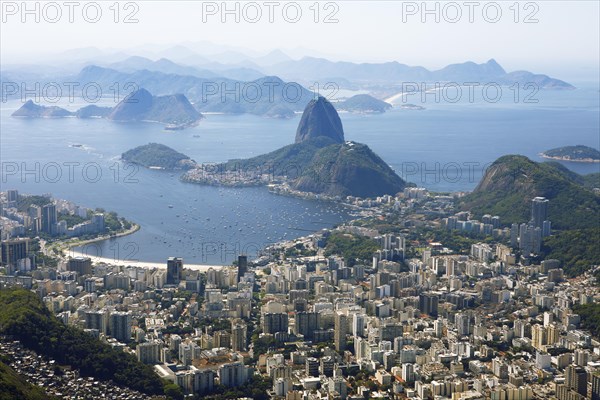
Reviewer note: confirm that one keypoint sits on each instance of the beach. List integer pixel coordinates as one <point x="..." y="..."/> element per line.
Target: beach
<point x="142" y="264"/>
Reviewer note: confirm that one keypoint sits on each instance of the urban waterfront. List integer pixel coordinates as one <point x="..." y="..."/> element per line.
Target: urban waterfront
<point x="210" y="225"/>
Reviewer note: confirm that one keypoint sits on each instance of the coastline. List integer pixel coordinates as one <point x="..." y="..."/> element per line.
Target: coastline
<point x="123" y="263"/>
<point x="142" y="264"/>
<point x="69" y="245"/>
<point x="558" y="158"/>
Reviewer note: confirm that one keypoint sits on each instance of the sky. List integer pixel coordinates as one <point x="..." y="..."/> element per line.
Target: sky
<point x="553" y="37"/>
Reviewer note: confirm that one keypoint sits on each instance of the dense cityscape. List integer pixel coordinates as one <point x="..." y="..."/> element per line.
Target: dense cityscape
<point x="348" y="313"/>
<point x="291" y="200"/>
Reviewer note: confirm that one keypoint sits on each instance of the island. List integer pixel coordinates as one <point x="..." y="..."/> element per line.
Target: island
<point x="577" y="153"/>
<point x="158" y="156"/>
<point x="174" y="111"/>
<point x="32" y="110"/>
<point x="411" y="107"/>
<point x="363" y="104"/>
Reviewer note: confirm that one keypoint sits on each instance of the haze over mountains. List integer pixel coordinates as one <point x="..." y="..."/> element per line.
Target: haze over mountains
<point x="173" y="110"/>
<point x="208" y="61"/>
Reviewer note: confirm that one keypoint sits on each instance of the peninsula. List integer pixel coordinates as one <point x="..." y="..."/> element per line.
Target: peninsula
<point x="320" y="161"/>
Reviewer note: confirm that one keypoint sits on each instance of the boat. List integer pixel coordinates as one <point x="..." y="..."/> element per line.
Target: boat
<point x="175" y="127"/>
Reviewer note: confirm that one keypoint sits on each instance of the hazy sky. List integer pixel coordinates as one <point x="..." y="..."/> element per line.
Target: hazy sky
<point x="561" y="38"/>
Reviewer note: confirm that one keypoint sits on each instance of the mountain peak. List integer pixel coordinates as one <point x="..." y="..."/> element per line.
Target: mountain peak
<point x="141" y="105"/>
<point x="320" y="119"/>
<point x="494" y="67"/>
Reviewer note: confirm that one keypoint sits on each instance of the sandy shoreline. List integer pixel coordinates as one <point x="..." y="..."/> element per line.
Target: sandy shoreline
<point x="582" y="160"/>
<point x="142" y="264"/>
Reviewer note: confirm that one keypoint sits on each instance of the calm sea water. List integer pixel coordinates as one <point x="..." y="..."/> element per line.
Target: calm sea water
<point x="444" y="148"/>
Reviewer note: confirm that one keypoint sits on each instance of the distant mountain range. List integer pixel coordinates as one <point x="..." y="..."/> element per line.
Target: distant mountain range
<point x="207" y="70"/>
<point x="393" y="72"/>
<point x="227" y="83"/>
<point x="510" y="183"/>
<point x="269" y="96"/>
<point x="310" y="69"/>
<point x="173" y="110"/>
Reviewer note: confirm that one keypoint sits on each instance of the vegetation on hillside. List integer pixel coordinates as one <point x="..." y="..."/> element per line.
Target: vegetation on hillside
<point x="351" y="247"/>
<point x="157" y="155"/>
<point x="14" y="386"/>
<point x="349" y="169"/>
<point x="458" y="242"/>
<point x="256" y="389"/>
<point x="70" y="219"/>
<point x="577" y="250"/>
<point x="592" y="180"/>
<point x="590" y="317"/>
<point x="24" y="317"/>
<point x="290" y="160"/>
<point x="512" y="181"/>
<point x="27" y="201"/>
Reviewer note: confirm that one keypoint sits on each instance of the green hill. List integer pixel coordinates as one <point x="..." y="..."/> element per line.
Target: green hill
<point x="24" y="317"/>
<point x="577" y="249"/>
<point x="590" y="317"/>
<point x="14" y="386"/>
<point x="321" y="166"/>
<point x="592" y="180"/>
<point x="159" y="156"/>
<point x="287" y="161"/>
<point x="348" y="169"/>
<point x="510" y="183"/>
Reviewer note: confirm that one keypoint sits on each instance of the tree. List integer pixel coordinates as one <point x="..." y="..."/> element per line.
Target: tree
<point x="172" y="391"/>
